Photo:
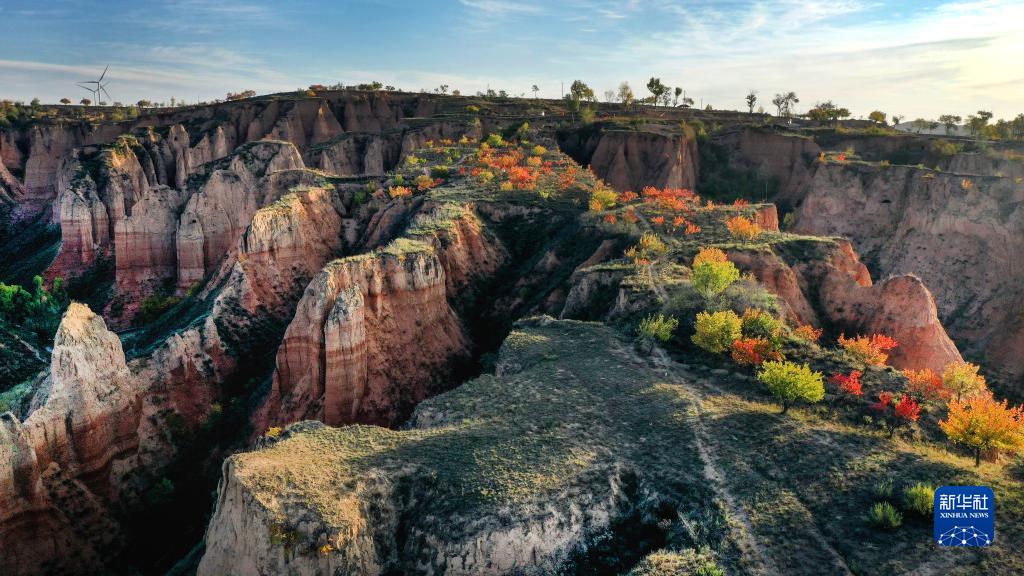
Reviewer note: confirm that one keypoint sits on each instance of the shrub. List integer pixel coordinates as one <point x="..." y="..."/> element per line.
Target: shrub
<point x="495" y="140"/>
<point x="742" y="228"/>
<point x="709" y="569"/>
<point x="758" y="323"/>
<point x="884" y="515"/>
<point x="848" y="384"/>
<point x="155" y="306"/>
<point x="790" y="382"/>
<point x="716" y="331"/>
<point x="896" y="413"/>
<point x="712" y="273"/>
<point x="647" y="249"/>
<point x="710" y="255"/>
<point x="981" y="423"/>
<point x="962" y="379"/>
<point x="538" y="150"/>
<point x="658" y="327"/>
<point x="399" y="192"/>
<point x="602" y="197"/>
<point x="920" y="499"/>
<point x="472" y="109"/>
<point x="872" y="350"/>
<point x="926" y="385"/>
<point x="883" y="489"/>
<point x="424" y="182"/>
<point x="806" y="333"/>
<point x="754" y="351"/>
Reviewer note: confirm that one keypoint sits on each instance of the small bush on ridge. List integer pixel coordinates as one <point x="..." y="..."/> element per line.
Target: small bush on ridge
<point x="658" y="327"/>
<point x="920" y="499"/>
<point x="885" y="515"/>
<point x="716" y="331"/>
<point x="790" y="382"/>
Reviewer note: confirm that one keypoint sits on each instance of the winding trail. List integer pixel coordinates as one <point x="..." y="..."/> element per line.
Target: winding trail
<point x="694" y="391"/>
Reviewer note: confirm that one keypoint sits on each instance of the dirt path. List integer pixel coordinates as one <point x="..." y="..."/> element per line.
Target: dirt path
<point x="696" y="394"/>
<point x="743" y="530"/>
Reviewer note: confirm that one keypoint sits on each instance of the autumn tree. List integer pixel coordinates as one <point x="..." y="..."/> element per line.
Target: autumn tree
<point x="656" y="88"/>
<point x="790" y="382"/>
<point x="981" y="423"/>
<point x="896" y="413"/>
<point x="877" y="116"/>
<point x="712" y="272"/>
<point x="962" y="379"/>
<point x="751" y="100"/>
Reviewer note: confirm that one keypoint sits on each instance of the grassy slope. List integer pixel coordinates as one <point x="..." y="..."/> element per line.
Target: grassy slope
<point x="583" y="401"/>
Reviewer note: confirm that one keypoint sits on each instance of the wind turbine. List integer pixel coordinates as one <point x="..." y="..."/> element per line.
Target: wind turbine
<point x="96" y="87"/>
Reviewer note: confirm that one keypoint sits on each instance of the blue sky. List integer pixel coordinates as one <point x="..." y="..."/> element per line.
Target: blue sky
<point x="916" y="58"/>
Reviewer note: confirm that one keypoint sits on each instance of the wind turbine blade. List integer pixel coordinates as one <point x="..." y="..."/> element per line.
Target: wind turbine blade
<point x="111" y="98"/>
<point x="104" y="73"/>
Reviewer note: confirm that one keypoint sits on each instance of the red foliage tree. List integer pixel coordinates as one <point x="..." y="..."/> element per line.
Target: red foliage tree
<point x="848" y="384"/>
<point x="896" y="414"/>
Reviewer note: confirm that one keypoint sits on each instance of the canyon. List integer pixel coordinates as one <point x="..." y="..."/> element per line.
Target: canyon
<point x="387" y="363"/>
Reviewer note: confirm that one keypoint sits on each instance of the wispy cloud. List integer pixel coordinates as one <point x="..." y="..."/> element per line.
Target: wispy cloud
<point x="501" y="7"/>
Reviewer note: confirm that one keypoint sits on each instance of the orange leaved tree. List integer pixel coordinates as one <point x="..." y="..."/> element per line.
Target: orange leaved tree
<point x="873" y="350"/>
<point x="982" y="423"/>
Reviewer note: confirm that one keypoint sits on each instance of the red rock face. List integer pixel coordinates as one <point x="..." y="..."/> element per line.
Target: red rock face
<point x="345" y="355"/>
<point x="837" y="291"/>
<point x="631" y="160"/>
<point x="69" y="448"/>
<point x="962" y="240"/>
<point x="353" y="351"/>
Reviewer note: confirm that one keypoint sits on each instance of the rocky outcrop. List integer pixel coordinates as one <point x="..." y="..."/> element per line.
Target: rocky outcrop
<point x="829" y="286"/>
<point x="223" y="203"/>
<point x="630" y="160"/>
<point x="345" y="355"/>
<point x="459" y="491"/>
<point x="11" y="188"/>
<point x="960" y="234"/>
<point x="352" y="153"/>
<point x="354" y="351"/>
<point x="70" y="454"/>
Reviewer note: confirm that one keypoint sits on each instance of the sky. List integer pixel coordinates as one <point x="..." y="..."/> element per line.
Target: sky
<point x="914" y="58"/>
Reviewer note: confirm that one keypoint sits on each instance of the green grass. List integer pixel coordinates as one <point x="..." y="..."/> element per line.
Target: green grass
<point x="573" y="412"/>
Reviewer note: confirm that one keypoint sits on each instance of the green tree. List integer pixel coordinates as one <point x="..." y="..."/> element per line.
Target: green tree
<point x="790" y="382"/>
<point x="625" y="95"/>
<point x="711" y="276"/>
<point x="716" y="331"/>
<point x="877" y="116"/>
<point x="656" y="88"/>
<point x="950" y="121"/>
<point x="536" y="90"/>
<point x="579" y="92"/>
